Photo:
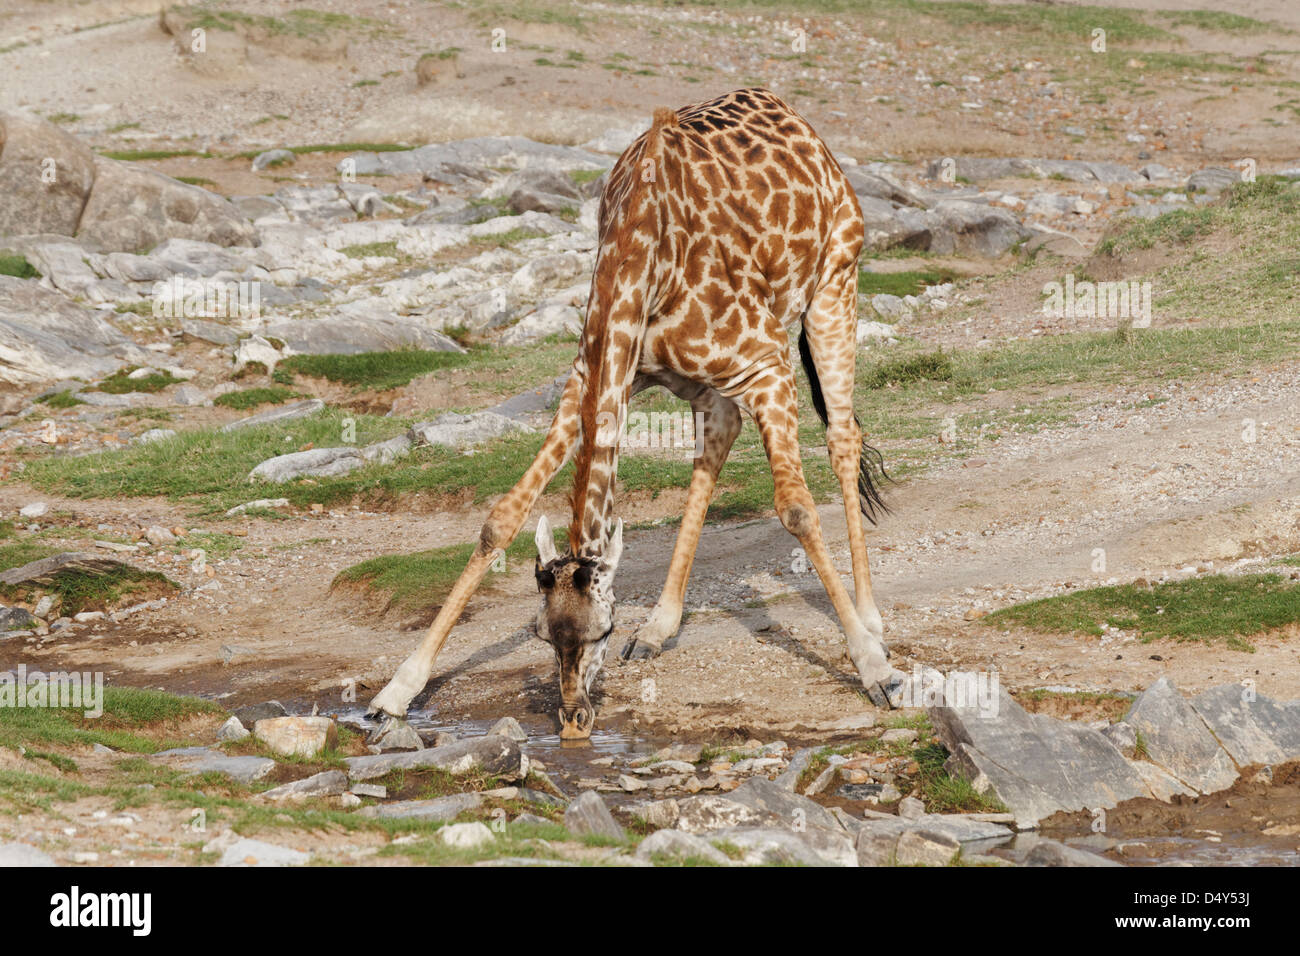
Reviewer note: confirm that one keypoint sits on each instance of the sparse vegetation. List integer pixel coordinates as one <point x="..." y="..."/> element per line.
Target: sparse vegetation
<point x="17" y="266"/>
<point x="249" y="398"/>
<point x="373" y="370"/>
<point x="1206" y="608"/>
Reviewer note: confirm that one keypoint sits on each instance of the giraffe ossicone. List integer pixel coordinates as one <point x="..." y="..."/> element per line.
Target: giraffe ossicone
<point x="721" y="226"/>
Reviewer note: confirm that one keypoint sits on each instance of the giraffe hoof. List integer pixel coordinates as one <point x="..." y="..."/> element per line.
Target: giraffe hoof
<point x="888" y="693"/>
<point x="635" y="650"/>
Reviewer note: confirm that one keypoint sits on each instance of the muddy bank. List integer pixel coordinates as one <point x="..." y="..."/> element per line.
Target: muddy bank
<point x="1256" y="821"/>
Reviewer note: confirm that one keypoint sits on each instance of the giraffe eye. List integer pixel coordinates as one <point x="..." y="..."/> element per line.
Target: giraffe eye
<point x="582" y="577"/>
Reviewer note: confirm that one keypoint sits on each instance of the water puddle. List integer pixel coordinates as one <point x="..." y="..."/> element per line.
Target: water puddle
<point x="566" y="761"/>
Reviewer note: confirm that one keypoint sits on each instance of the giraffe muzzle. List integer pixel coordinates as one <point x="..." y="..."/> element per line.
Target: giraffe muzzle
<point x="576" y="722"/>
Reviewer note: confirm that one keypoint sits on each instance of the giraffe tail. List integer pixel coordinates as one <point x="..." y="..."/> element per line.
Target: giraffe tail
<point x="871" y="471"/>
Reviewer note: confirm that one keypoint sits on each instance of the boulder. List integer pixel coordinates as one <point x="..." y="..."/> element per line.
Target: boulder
<point x="969" y="228"/>
<point x="46" y="177"/>
<point x="1213" y="180"/>
<point x="509" y="727"/>
<point x="776" y="845"/>
<point x="133" y="209"/>
<point x="232" y="729"/>
<point x="887" y="225"/>
<point x="464" y="836"/>
<point x="1175" y="737"/>
<point x="1036" y="765"/>
<point x="297" y="736"/>
<point x="45" y="338"/>
<point x="1052" y="853"/>
<point x="546" y="320"/>
<point x="680" y="845"/>
<point x="1250" y="727"/>
<point x="588" y="816"/>
<point x="920" y="847"/>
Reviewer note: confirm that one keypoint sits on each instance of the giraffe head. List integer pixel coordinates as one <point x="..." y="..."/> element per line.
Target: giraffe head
<point x="576" y="619"/>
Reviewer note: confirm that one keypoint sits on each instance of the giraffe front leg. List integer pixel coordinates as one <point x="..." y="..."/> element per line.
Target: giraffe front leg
<point x="500" y="529"/>
<point x="718" y="424"/>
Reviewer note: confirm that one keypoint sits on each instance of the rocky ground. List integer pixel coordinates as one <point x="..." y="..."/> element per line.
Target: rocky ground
<point x="479" y="244"/>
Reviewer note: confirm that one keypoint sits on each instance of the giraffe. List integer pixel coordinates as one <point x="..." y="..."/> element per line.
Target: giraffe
<point x="724" y="223"/>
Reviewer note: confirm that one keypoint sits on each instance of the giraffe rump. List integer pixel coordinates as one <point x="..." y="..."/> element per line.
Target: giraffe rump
<point x="871" y="471"/>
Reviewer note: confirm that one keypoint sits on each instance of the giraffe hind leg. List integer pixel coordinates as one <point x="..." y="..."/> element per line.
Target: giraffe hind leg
<point x="773" y="401"/>
<point x="828" y="348"/>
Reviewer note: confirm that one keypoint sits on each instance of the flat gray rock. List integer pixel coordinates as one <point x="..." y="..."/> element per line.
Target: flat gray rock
<point x="313" y="463"/>
<point x="23" y="854"/>
<point x="329" y="783"/>
<point x="197" y="760"/>
<point x="979" y="169"/>
<point x="279" y="413"/>
<point x="495" y="755"/>
<point x="453" y="430"/>
<point x="46" y="571"/>
<point x="1250" y="727"/>
<point x="1177" y="739"/>
<point x="439" y="808"/>
<point x="352" y="335"/>
<point x="248" y="852"/>
<point x="452" y="162"/>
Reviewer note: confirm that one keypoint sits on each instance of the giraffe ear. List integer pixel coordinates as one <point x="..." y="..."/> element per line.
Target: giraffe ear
<point x="613" y="547"/>
<point x="545" y="541"/>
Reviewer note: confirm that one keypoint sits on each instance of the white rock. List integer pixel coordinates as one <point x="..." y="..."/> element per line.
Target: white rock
<point x="465" y="836"/>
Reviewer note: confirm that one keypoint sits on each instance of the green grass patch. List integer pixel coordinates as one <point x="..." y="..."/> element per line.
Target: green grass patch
<point x="63" y="399"/>
<point x="17" y="266"/>
<point x="1208" y="608"/>
<point x="1232" y="260"/>
<point x="120" y="383"/>
<point x="14" y="554"/>
<point x="249" y="398"/>
<point x="138" y="155"/>
<point x="373" y="370"/>
<point x="901" y="283"/>
<point x="944" y="793"/>
<point x="414" y="582"/>
<point x="366" y="250"/>
<point x="134" y="720"/>
<point x="925" y="367"/>
<point x="78" y="591"/>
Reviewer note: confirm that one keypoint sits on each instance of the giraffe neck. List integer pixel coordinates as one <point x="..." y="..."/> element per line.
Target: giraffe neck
<point x="617" y="312"/>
